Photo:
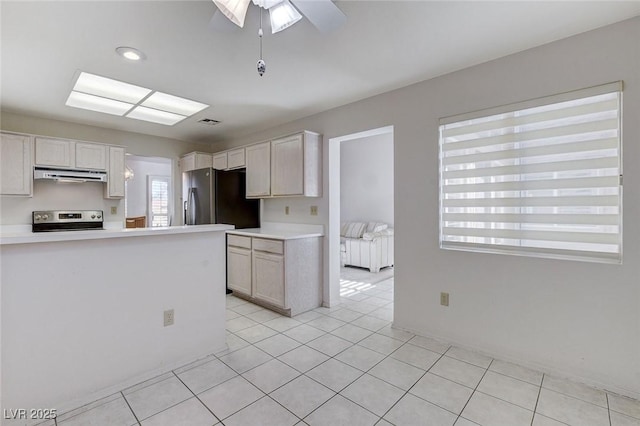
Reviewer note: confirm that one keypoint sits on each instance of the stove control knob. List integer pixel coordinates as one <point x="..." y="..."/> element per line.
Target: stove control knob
<point x="93" y="216"/>
<point x="45" y="217"/>
<point x="99" y="216"/>
<point x="38" y="217"/>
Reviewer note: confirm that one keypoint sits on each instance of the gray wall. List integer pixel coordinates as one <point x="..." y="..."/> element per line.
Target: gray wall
<point x="577" y="319"/>
<point x="366" y="179"/>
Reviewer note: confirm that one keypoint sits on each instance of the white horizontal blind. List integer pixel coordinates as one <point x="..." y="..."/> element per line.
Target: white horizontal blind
<point x="159" y="200"/>
<point x="540" y="178"/>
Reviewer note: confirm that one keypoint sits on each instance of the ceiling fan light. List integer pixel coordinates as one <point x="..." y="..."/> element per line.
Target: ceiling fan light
<point x="282" y="16"/>
<point x="266" y="4"/>
<point x="235" y="10"/>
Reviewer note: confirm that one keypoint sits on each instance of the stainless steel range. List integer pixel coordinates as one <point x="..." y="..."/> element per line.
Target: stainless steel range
<point x="66" y="220"/>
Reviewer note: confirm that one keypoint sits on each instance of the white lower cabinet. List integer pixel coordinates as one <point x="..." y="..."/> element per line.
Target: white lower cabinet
<point x="239" y="269"/>
<point x="284" y="275"/>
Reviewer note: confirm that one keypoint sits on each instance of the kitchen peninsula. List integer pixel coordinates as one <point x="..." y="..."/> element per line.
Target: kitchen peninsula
<point x="83" y="312"/>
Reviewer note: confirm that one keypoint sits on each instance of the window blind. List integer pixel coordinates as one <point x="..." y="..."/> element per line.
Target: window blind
<point x="159" y="200"/>
<point x="540" y="178"/>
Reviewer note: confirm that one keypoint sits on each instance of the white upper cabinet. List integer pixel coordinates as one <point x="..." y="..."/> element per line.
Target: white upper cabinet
<point x="290" y="166"/>
<point x="258" y="158"/>
<point x="91" y="156"/>
<point x="287" y="166"/>
<point x="296" y="165"/>
<point x="235" y="159"/>
<point x="195" y="161"/>
<point x="51" y="152"/>
<point x="16" y="164"/>
<point x="220" y="161"/>
<point x="55" y="152"/>
<point x="115" y="183"/>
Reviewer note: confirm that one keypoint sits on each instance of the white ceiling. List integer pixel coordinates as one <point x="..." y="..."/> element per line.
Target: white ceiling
<point x="384" y="45"/>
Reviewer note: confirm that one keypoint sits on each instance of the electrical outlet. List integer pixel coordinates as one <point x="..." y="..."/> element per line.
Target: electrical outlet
<point x="286" y="209"/>
<point x="444" y="299"/>
<point x="168" y="317"/>
<point x="114" y="210"/>
<point x="314" y="210"/>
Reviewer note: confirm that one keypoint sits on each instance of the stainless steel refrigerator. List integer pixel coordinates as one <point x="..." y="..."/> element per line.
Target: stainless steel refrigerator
<point x="217" y="196"/>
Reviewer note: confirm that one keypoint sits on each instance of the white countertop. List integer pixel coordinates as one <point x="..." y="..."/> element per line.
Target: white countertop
<point x="281" y="231"/>
<point x="46" y="237"/>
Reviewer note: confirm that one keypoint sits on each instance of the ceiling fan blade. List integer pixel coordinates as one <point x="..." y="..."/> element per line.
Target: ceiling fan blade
<point x="222" y="24"/>
<point x="322" y="13"/>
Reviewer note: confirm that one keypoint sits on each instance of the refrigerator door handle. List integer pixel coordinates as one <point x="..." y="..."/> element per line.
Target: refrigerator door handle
<point x="191" y="207"/>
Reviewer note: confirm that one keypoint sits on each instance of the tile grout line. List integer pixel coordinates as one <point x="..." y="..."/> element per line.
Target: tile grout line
<point x="474" y="391"/>
<point x="608" y="407"/>
<point x="130" y="408"/>
<point x="196" y="396"/>
<point x="535" y="407"/>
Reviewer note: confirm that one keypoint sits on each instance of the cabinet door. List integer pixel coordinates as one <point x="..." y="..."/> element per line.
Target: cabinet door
<point x="287" y="161"/>
<point x="188" y="163"/>
<point x="91" y="156"/>
<point x="115" y="182"/>
<point x="220" y="161"/>
<point x="239" y="270"/>
<point x="235" y="159"/>
<point x="16" y="168"/>
<point x="54" y="152"/>
<point x="203" y="161"/>
<point x="258" y="170"/>
<point x="268" y="278"/>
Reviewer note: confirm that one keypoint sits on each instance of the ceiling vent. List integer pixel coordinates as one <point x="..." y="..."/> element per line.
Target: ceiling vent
<point x="209" y="121"/>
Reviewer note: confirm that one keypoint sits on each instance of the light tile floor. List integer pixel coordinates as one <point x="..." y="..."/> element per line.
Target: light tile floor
<point x="347" y="366"/>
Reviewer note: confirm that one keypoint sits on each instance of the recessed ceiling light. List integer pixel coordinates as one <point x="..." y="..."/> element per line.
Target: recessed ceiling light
<point x="108" y="88"/>
<point x="155" y="116"/>
<point x="96" y="103"/>
<point x="131" y="53"/>
<point x="174" y="104"/>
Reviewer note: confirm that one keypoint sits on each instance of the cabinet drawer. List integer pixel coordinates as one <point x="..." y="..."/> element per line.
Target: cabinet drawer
<point x="271" y="246"/>
<point x="239" y="241"/>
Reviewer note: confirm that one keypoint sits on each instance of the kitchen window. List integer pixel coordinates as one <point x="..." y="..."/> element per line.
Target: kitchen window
<point x="539" y="178"/>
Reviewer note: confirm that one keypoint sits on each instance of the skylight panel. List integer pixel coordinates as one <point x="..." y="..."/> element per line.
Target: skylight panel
<point x="109" y="88"/>
<point x="96" y="103"/>
<point x="155" y="116"/>
<point x="101" y="94"/>
<point x="175" y="104"/>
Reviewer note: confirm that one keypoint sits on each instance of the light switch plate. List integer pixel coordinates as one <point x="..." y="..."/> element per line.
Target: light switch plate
<point x="314" y="210"/>
<point x="114" y="210"/>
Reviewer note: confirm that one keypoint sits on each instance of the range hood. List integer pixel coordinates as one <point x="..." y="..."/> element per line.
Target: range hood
<point x="69" y="175"/>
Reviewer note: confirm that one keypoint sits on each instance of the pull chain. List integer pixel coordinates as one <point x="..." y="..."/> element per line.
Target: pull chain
<point x="262" y="67"/>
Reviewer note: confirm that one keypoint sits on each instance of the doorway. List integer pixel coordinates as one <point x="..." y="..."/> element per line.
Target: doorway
<point x="149" y="198"/>
<point x="365" y="161"/>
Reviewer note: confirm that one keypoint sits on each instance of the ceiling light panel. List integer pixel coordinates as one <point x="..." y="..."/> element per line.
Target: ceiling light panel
<point x="97" y="103"/>
<point x="155" y="116"/>
<point x="175" y="104"/>
<point x="109" y="88"/>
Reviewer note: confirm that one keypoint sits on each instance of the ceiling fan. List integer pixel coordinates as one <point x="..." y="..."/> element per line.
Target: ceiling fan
<point x="323" y="14"/>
